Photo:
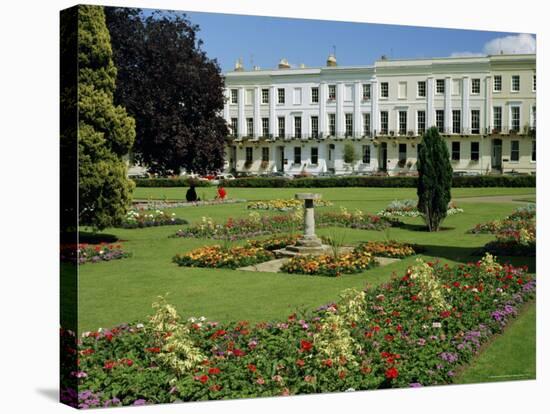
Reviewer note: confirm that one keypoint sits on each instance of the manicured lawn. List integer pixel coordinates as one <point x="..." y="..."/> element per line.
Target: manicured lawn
<point x="119" y="291"/>
<point x="511" y="356"/>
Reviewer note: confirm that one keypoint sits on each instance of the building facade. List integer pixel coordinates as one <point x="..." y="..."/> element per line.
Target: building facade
<point x="367" y="119"/>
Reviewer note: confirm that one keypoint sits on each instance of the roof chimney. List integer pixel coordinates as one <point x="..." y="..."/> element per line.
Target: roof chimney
<point x="383" y="57"/>
<point x="283" y="64"/>
<point x="239" y="65"/>
<point x="331" y="60"/>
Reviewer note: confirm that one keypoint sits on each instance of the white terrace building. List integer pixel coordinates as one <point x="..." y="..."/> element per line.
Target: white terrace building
<point x="299" y="120"/>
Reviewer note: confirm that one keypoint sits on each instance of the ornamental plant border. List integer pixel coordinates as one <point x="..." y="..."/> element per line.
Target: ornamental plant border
<point x="416" y="330"/>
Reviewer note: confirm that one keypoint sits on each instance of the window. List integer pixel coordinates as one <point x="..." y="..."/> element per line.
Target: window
<point x="515" y="118"/>
<point x="533" y="117"/>
<point x="384" y="90"/>
<point x="497" y="118"/>
<point x="514" y="151"/>
<point x="455" y="150"/>
<point x="298" y="126"/>
<point x="440" y="86"/>
<point x="332" y="125"/>
<point x="402" y="122"/>
<point x="474" y="151"/>
<point x="281" y="126"/>
<point x="314" y="155"/>
<point x="366" y="124"/>
<point x="456" y="121"/>
<point x="366" y="154"/>
<point x="249" y="127"/>
<point x="349" y="125"/>
<point x="534" y="83"/>
<point x="497" y="83"/>
<point x="265" y="127"/>
<point x="265" y="96"/>
<point x="315" y="95"/>
<point x="281" y="95"/>
<point x="533" y="150"/>
<point x="421" y="121"/>
<point x="234" y="96"/>
<point x="249" y="155"/>
<point x="234" y="126"/>
<point x="366" y="91"/>
<point x="297" y="155"/>
<point x="475" y="121"/>
<point x="515" y="83"/>
<point x="314" y="127"/>
<point x="440" y="120"/>
<point x="476" y="86"/>
<point x="265" y="154"/>
<point x="421" y="89"/>
<point x="402" y="154"/>
<point x="331" y="92"/>
<point x="384" y="122"/>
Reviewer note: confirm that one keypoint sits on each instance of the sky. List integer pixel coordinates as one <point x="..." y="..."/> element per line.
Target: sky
<point x="263" y="41"/>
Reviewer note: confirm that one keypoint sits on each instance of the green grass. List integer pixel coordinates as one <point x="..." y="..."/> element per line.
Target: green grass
<point x="510" y="356"/>
<point x="120" y="291"/>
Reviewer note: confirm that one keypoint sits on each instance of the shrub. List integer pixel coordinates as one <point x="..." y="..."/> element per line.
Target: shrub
<point x="389" y="248"/>
<point x="135" y="219"/>
<point x="284" y="205"/>
<point x="170" y="182"/>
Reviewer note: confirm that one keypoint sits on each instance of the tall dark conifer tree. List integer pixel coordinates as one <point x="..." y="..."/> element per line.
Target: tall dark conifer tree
<point x="435" y="175"/>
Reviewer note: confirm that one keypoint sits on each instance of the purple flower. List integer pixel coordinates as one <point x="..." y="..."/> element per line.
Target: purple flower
<point x="421" y="342"/>
<point x="139" y="402"/>
<point x="415" y="385"/>
<point x="449" y="357"/>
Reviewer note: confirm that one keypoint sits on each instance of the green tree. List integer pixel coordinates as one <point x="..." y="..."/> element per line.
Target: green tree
<point x="350" y="156"/>
<point x="434" y="179"/>
<point x="105" y="131"/>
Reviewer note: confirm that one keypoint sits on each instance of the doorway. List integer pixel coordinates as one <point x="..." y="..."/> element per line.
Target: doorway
<point x="383" y="157"/>
<point x="496" y="155"/>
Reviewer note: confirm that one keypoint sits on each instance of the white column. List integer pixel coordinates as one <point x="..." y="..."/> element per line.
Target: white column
<point x="226" y="116"/>
<point x="257" y="118"/>
<point x="323" y="109"/>
<point x="430" y="111"/>
<point x="488" y="99"/>
<point x="340" y="121"/>
<point x="272" y="115"/>
<point x="448" y="110"/>
<point x="241" y="117"/>
<point x="357" y="109"/>
<point x="466" y="104"/>
<point x="375" y="113"/>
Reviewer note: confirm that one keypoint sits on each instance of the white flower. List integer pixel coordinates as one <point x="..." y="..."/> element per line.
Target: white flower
<point x="139" y="325"/>
<point x="436" y="325"/>
<point x="85" y="334"/>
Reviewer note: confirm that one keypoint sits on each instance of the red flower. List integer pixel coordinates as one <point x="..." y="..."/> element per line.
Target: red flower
<point x="342" y="374"/>
<point x="391" y="373"/>
<point x="414" y="298"/>
<point x="109" y="364"/>
<point x="305" y="346"/>
<point x="127" y="362"/>
<point x="445" y="314"/>
<point x="388" y="337"/>
<point x="153" y="350"/>
<point x="215" y="387"/>
<point x="327" y="362"/>
<point x="109" y="337"/>
<point x="300" y="362"/>
<point x="219" y="332"/>
<point x="214" y="371"/>
<point x="238" y="353"/>
<point x="251" y="367"/>
<point x="203" y="378"/>
<point x="520" y="281"/>
<point x="456" y="284"/>
<point x="89" y="351"/>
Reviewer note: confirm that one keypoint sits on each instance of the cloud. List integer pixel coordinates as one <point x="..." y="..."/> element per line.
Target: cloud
<point x="514" y="44"/>
<point x="508" y="45"/>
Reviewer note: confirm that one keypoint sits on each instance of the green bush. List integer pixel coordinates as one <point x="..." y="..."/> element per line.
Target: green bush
<point x="368" y="181"/>
<point x="169" y="182"/>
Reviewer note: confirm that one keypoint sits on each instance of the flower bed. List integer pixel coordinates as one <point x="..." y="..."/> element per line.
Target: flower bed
<point x="284" y="205"/>
<point x="521" y="218"/>
<point x="274" y="243"/>
<point x="92" y="253"/>
<point x="389" y="248"/>
<point x="135" y="219"/>
<point x="164" y="204"/>
<point x="255" y="225"/>
<point x="416" y="330"/>
<point x="223" y="257"/>
<point x="408" y="208"/>
<point x="330" y="265"/>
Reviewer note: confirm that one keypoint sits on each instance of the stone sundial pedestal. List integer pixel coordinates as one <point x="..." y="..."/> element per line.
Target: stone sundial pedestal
<point x="309" y="243"/>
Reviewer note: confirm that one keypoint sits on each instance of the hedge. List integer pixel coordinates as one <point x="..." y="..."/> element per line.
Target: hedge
<point x="366" y="181"/>
<point x="347" y="181"/>
<point x="169" y="182"/>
